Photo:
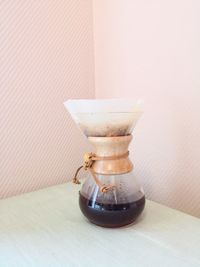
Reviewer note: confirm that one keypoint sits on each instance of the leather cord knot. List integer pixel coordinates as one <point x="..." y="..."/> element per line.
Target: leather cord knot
<point x="88" y="160"/>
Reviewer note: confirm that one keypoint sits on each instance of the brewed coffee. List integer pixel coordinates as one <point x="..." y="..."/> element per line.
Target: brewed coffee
<point x="111" y="215"/>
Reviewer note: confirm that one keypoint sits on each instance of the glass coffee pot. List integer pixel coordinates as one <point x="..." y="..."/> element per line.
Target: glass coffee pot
<point x="110" y="196"/>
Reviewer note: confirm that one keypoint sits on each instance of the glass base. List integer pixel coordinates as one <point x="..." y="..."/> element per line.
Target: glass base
<point x="111" y="215"/>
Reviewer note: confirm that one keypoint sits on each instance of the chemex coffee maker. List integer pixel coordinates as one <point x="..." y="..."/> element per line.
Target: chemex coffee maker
<point x="111" y="195"/>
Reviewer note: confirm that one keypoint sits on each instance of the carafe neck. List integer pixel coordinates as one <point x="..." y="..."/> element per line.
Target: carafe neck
<point x="112" y="147"/>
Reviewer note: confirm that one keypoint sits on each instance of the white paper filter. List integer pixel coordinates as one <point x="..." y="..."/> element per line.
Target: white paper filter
<point x="104" y="117"/>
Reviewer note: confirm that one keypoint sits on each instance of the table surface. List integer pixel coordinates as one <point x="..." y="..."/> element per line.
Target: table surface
<point x="46" y="228"/>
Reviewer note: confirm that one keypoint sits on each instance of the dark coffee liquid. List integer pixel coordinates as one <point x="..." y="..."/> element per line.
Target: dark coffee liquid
<point x="111" y="215"/>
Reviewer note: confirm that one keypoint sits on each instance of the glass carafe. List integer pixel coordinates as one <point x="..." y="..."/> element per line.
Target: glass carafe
<point x="110" y="196"/>
<point x="117" y="207"/>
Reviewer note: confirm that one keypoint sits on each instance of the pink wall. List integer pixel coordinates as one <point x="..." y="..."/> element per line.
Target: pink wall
<point x="150" y="49"/>
<point x="46" y="56"/>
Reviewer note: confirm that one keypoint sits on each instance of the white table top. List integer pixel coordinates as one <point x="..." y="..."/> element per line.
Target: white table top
<point x="46" y="228"/>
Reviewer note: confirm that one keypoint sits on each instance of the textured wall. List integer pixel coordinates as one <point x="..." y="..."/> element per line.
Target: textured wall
<point x="46" y="57"/>
<point x="150" y="49"/>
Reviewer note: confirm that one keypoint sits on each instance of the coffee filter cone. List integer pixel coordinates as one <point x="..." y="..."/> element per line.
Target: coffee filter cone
<point x="105" y="117"/>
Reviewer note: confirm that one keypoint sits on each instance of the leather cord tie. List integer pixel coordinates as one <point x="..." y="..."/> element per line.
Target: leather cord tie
<point x="89" y="159"/>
